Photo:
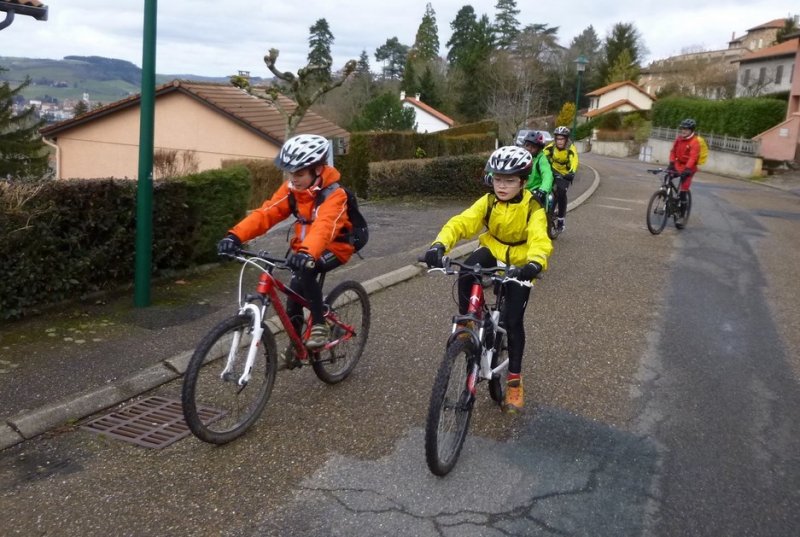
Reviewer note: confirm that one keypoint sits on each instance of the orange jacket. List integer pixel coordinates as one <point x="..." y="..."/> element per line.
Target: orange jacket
<point x="329" y="222"/>
<point x="685" y="152"/>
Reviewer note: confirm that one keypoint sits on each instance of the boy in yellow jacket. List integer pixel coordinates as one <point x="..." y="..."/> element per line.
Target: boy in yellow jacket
<point x="516" y="235"/>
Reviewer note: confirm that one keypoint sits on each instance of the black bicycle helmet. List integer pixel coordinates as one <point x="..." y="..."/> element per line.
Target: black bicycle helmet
<point x="535" y="138"/>
<point x="510" y="160"/>
<point x="688" y="123"/>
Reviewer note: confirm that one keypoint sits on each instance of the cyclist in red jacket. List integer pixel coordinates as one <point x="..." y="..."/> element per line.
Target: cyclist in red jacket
<point x="683" y="157"/>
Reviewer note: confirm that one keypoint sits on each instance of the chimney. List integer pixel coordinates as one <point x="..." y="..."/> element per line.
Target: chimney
<point x="402" y="95"/>
<point x="416" y="96"/>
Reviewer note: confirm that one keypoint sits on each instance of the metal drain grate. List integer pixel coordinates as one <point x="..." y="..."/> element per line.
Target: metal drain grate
<point x="154" y="422"/>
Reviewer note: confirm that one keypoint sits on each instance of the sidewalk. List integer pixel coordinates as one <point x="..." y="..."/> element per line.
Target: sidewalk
<point x="72" y="362"/>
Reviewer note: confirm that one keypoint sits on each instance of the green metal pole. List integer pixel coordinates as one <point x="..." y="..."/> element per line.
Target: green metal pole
<point x="144" y="184"/>
<point x="577" y="97"/>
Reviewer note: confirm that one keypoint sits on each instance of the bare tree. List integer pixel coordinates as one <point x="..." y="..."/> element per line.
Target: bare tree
<point x="304" y="88"/>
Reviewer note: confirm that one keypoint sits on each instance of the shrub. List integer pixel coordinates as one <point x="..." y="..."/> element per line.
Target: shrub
<point x="459" y="176"/>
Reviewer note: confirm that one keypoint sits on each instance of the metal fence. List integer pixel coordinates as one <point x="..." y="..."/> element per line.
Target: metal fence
<point x="716" y="142"/>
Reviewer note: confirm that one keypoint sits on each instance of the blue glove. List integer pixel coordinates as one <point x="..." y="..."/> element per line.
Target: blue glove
<point x="525" y="273"/>
<point x="298" y="261"/>
<point x="540" y="196"/>
<point x="433" y="257"/>
<point x="229" y="245"/>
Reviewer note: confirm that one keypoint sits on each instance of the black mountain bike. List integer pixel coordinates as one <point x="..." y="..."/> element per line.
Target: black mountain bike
<point x="665" y="203"/>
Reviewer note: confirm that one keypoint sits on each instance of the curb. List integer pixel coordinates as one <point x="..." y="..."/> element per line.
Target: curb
<point x="29" y="424"/>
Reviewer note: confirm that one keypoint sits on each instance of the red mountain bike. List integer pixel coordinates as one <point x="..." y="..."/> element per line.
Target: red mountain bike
<point x="231" y="373"/>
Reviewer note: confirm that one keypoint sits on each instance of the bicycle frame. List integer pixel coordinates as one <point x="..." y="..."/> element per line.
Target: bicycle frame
<point x="267" y="293"/>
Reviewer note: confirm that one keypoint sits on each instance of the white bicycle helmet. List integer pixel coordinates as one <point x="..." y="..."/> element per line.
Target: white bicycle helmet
<point x="510" y="160"/>
<point x="302" y="151"/>
<point x="561" y="131"/>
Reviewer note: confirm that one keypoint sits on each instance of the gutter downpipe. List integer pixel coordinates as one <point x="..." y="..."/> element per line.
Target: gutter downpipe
<point x="58" y="155"/>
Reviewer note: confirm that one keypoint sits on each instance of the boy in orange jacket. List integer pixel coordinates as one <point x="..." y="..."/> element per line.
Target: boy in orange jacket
<point x="319" y="243"/>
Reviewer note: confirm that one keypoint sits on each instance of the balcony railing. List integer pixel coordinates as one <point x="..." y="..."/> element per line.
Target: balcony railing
<point x="716" y="142"/>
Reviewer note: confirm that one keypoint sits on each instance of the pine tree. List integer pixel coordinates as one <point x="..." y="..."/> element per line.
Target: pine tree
<point x="362" y="67"/>
<point x="429" y="94"/>
<point x="426" y="43"/>
<point x="22" y="152"/>
<point x="463" y="27"/>
<point x="320" y="40"/>
<point x="394" y="54"/>
<point x="80" y="108"/>
<point x="506" y="25"/>
<point x="623" y="36"/>
<point x="410" y="83"/>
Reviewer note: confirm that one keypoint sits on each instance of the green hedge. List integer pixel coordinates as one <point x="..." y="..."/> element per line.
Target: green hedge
<point x="460" y="177"/>
<point x="745" y="117"/>
<point x="62" y="239"/>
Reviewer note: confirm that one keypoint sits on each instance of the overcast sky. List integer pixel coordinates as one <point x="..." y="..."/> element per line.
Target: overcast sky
<point x="215" y="38"/>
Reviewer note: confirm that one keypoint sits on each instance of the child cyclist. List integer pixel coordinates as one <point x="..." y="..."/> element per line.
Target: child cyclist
<point x="317" y="245"/>
<point x="563" y="157"/>
<point x="516" y="235"/>
<point x="540" y="182"/>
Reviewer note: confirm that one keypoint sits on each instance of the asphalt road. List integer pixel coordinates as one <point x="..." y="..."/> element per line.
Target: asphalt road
<point x="661" y="388"/>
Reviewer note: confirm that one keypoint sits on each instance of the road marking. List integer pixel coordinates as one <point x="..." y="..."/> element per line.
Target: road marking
<point x="625" y="200"/>
<point x="614" y="207"/>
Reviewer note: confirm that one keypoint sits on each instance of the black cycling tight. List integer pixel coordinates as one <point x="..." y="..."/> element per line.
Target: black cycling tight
<point x="305" y="283"/>
<point x="516" y="301"/>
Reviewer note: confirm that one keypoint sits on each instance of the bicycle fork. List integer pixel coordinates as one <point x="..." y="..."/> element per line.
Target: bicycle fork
<point x="255" y="313"/>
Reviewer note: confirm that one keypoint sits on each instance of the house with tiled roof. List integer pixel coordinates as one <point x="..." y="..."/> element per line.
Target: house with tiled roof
<point x="767" y="70"/>
<point x="208" y="122"/>
<point x="758" y="37"/>
<point x="623" y="96"/>
<point x="427" y="118"/>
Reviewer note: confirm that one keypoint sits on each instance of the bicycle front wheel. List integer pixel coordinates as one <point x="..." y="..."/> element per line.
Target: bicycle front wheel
<point x="349" y="318"/>
<point x="681" y="221"/>
<point x="450" y="408"/>
<point x="553" y="230"/>
<point x="657" y="212"/>
<point x="216" y="407"/>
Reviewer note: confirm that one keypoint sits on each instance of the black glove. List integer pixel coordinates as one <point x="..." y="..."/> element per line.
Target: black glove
<point x="525" y="273"/>
<point x="229" y="245"/>
<point x="299" y="260"/>
<point x="671" y="167"/>
<point x="433" y="257"/>
<point x="540" y="196"/>
<point x="569" y="177"/>
<point x="685" y="174"/>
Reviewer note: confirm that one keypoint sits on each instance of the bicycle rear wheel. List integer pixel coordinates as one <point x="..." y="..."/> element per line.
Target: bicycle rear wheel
<point x="450" y="408"/>
<point x="681" y="221"/>
<point x="206" y="392"/>
<point x="657" y="212"/>
<point x="553" y="230"/>
<point x="348" y="304"/>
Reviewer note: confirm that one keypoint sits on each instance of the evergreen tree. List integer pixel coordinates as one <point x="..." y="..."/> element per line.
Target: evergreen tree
<point x="384" y="113"/>
<point x="426" y="43"/>
<point x="80" y="108"/>
<point x="473" y="66"/>
<point x="623" y="68"/>
<point x="789" y="28"/>
<point x="506" y="25"/>
<point x="320" y="41"/>
<point x="460" y="42"/>
<point x="22" y="153"/>
<point x="429" y="94"/>
<point x="393" y="53"/>
<point x="410" y="83"/>
<point x="362" y="67"/>
<point x="623" y="36"/>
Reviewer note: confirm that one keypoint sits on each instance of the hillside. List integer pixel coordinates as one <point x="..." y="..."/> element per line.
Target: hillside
<point x="104" y="79"/>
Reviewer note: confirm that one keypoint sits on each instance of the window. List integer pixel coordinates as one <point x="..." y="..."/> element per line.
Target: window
<point x="762" y="73"/>
<point x="746" y="80"/>
<point x="778" y="75"/>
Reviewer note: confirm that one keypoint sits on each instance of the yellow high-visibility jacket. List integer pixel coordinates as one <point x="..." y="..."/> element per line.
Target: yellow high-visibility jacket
<point x="517" y="229"/>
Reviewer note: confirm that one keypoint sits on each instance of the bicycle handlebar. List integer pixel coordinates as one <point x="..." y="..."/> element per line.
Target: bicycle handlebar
<point x="277" y="262"/>
<point x="476" y="269"/>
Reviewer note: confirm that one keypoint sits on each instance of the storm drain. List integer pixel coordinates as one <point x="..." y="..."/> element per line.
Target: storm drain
<point x="154" y="422"/>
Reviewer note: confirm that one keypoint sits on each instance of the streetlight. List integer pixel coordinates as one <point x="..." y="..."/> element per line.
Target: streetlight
<point x="580" y="63"/>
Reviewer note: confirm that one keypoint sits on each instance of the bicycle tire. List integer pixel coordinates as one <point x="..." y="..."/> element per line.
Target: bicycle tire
<point x="552" y="226"/>
<point x="657" y="213"/>
<point x="450" y="408"/>
<point x="204" y="390"/>
<point x="350" y="302"/>
<point x="680" y="222"/>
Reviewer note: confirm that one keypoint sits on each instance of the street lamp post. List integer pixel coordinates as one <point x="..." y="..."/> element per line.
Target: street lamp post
<point x="580" y="63"/>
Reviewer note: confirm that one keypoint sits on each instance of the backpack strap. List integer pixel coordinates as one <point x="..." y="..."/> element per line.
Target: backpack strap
<point x="492" y="201"/>
<point x="320" y="197"/>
